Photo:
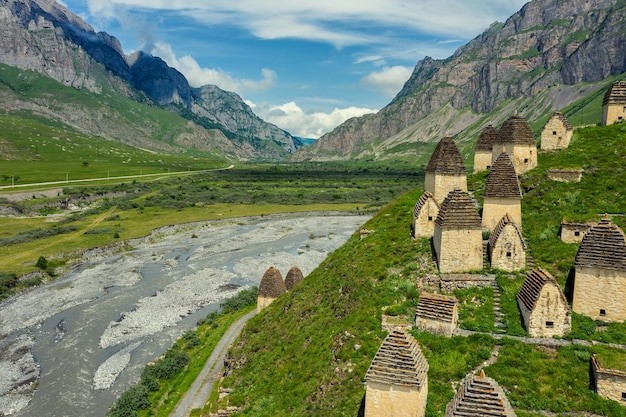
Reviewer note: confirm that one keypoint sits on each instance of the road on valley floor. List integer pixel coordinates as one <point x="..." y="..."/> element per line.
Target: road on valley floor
<point x="200" y="390"/>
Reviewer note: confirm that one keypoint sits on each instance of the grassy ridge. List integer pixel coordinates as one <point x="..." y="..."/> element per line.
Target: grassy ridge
<point x="38" y="150"/>
<point x="307" y="354"/>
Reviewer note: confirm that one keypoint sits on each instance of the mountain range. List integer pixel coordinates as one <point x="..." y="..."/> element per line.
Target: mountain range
<point x="544" y="57"/>
<point x="44" y="36"/>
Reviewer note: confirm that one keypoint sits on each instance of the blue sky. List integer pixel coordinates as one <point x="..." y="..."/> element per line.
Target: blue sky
<point x="304" y="65"/>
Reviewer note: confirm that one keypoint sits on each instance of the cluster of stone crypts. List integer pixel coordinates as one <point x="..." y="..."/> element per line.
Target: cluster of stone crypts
<point x="614" y="104"/>
<point x="454" y="224"/>
<point x="397" y="384"/>
<point x="272" y="285"/>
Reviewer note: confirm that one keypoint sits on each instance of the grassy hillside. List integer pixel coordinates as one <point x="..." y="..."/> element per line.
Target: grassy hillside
<point x="307" y="353"/>
<point x="31" y="102"/>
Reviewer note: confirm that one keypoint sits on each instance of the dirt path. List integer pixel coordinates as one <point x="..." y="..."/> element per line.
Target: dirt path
<point x="199" y="392"/>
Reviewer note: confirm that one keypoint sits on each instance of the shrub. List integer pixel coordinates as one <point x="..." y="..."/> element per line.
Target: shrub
<point x="42" y="263"/>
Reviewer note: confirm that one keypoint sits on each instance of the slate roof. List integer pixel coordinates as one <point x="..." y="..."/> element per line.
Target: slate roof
<point x="458" y="210"/>
<point x="563" y="119"/>
<point x="516" y="130"/>
<point x="272" y="284"/>
<point x="530" y="291"/>
<point x="399" y="361"/>
<point x="421" y="202"/>
<point x="616" y="94"/>
<point x="502" y="181"/>
<point x="506" y="220"/>
<point x="480" y="396"/>
<point x="603" y="247"/>
<point x="436" y="307"/>
<point x="294" y="276"/>
<point x="446" y="159"/>
<point x="487" y="136"/>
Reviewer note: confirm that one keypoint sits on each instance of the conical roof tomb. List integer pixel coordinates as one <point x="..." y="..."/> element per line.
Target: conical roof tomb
<point x="502" y="194"/>
<point x="397" y="379"/>
<point x="271" y="287"/>
<point x="516" y="138"/>
<point x="614" y="104"/>
<point x="445" y="170"/>
<point x="480" y="396"/>
<point x="294" y="276"/>
<point x="600" y="273"/>
<point x="457" y="240"/>
<point x="483" y="148"/>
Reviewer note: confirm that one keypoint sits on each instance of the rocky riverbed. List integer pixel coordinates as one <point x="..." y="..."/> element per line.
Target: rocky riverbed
<point x="71" y="347"/>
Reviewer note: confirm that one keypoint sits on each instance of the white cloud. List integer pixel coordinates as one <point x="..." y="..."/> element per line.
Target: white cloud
<point x="198" y="76"/>
<point x="387" y="81"/>
<point x="341" y="23"/>
<point x="292" y="118"/>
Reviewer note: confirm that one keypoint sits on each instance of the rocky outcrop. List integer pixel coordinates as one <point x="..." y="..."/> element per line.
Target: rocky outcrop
<point x="546" y="43"/>
<point x="44" y="36"/>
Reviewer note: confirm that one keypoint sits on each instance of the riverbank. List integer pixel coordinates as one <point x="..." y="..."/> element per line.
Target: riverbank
<point x="116" y="311"/>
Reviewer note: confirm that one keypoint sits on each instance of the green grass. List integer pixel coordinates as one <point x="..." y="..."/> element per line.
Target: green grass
<point x="118" y="113"/>
<point x="42" y="151"/>
<point x="135" y="208"/>
<point x="164" y="393"/>
<point x="315" y="344"/>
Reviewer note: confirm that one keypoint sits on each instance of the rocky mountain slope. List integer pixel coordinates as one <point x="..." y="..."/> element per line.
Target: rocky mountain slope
<point x="548" y="44"/>
<point x="44" y="36"/>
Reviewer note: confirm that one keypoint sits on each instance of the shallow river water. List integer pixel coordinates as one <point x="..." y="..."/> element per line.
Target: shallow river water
<point x="97" y="326"/>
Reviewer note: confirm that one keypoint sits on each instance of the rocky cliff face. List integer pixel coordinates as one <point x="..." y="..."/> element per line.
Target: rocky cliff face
<point x="548" y="42"/>
<point x="44" y="36"/>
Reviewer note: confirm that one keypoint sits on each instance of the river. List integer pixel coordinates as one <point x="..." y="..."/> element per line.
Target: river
<point x="92" y="330"/>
